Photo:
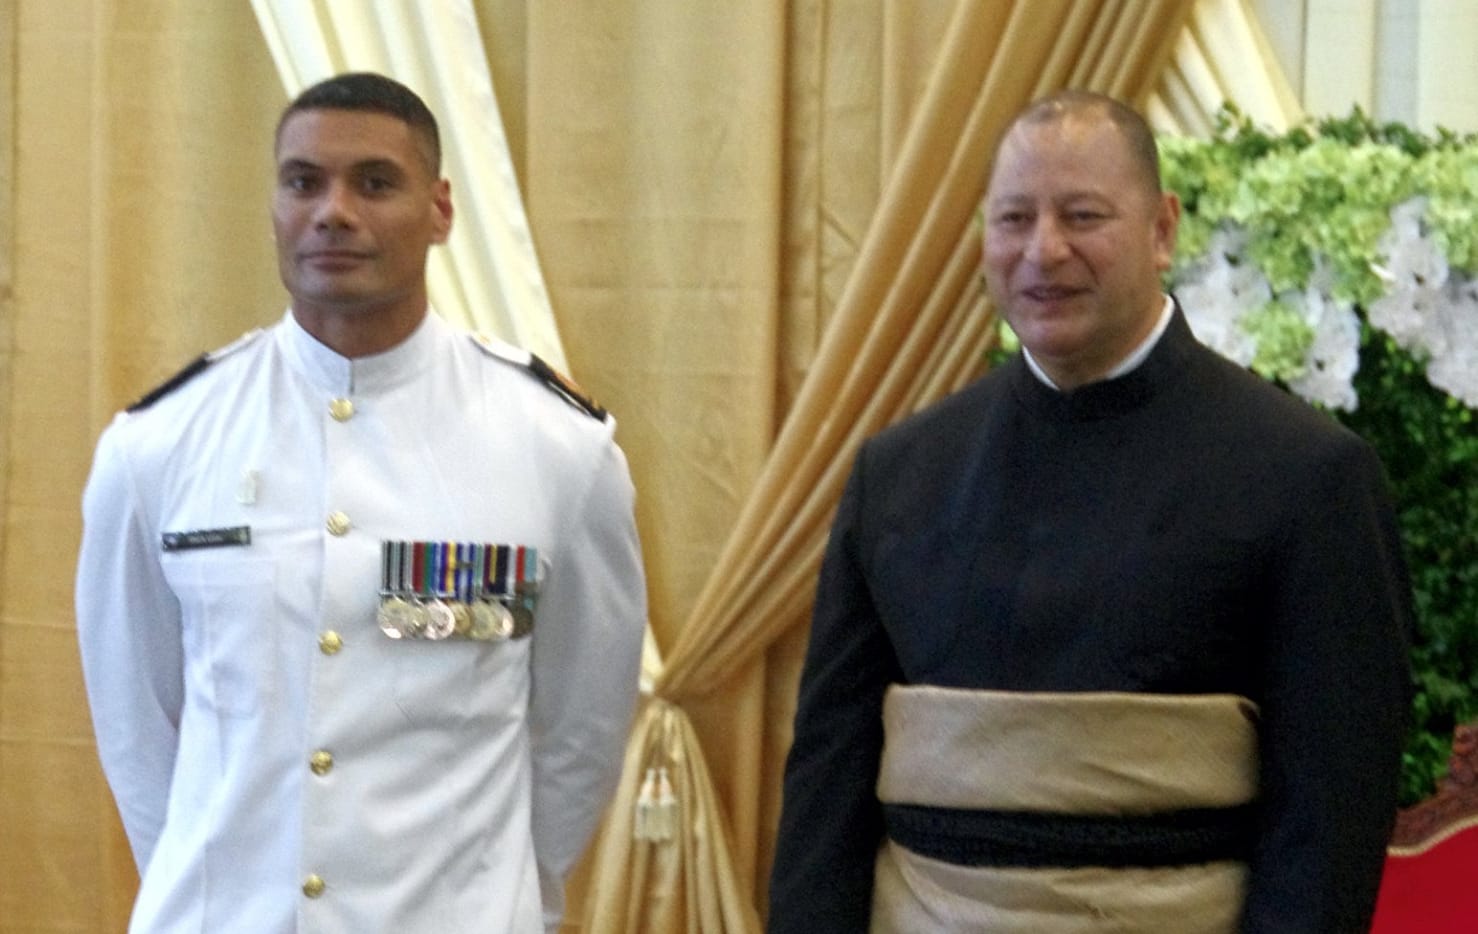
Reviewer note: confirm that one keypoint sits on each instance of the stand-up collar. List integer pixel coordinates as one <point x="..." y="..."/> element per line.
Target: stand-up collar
<point x="1111" y="397"/>
<point x="335" y="373"/>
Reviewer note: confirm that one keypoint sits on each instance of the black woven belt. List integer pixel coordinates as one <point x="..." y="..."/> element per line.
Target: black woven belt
<point x="1034" y="840"/>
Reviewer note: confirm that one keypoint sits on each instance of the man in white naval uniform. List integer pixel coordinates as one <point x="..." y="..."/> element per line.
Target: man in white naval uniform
<point x="360" y="597"/>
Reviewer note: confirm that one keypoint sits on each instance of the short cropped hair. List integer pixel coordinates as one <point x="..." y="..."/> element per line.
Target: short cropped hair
<point x="375" y="93"/>
<point x="1138" y="136"/>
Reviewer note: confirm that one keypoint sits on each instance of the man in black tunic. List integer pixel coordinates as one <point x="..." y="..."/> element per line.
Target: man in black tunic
<point x="1113" y="639"/>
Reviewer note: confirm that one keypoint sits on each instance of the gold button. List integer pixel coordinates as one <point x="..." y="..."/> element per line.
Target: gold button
<point x="322" y="762"/>
<point x="313" y="886"/>
<point x="341" y="409"/>
<point x="330" y="642"/>
<point x="338" y="523"/>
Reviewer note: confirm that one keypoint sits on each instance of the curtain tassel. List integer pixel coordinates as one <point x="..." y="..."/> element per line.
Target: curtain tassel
<point x="667" y="810"/>
<point x="656" y="808"/>
<point x="646" y="805"/>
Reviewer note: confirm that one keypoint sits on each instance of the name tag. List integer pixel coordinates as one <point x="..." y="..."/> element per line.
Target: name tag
<point x="206" y="538"/>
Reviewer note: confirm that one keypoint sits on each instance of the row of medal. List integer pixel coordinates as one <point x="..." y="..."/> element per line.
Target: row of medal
<point x="457" y="590"/>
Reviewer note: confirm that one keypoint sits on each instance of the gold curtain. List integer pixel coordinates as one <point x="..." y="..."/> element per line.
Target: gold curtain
<point x="911" y="325"/>
<point x="137" y="237"/>
<point x="713" y="188"/>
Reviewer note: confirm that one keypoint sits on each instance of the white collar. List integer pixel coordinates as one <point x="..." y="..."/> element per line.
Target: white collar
<point x="333" y="372"/>
<point x="1132" y="360"/>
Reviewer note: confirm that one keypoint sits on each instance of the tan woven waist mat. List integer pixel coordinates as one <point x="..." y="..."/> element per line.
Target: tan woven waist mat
<point x="1084" y="753"/>
<point x="913" y="894"/>
<point x="1075" y="754"/>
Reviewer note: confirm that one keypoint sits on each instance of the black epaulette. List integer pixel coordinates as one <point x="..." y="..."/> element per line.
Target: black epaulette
<point x="192" y="370"/>
<point x="563" y="386"/>
<point x="195" y="368"/>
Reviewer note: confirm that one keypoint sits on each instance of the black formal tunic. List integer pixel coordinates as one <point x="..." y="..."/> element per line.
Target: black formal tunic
<point x="1184" y="528"/>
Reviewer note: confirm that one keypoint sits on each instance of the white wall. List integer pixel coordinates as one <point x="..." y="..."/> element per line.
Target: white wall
<point x="1414" y="61"/>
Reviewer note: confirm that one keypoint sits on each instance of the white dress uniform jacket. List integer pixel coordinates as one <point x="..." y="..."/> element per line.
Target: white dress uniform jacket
<point x="279" y="763"/>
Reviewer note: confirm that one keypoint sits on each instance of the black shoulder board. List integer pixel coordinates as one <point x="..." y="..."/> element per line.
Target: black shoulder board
<point x="174" y="382"/>
<point x="562" y="385"/>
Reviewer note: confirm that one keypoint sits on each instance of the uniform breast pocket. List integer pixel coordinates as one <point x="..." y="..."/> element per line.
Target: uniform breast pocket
<point x="231" y="642"/>
<point x="461" y="681"/>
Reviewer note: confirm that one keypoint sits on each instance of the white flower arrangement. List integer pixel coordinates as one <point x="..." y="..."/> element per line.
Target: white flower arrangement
<point x="1287" y="241"/>
<point x="1428" y="309"/>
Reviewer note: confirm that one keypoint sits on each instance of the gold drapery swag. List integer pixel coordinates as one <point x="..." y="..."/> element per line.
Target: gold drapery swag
<point x="911" y="326"/>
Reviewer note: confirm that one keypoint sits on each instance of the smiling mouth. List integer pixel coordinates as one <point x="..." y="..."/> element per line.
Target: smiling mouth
<point x="1050" y="293"/>
<point x="334" y="258"/>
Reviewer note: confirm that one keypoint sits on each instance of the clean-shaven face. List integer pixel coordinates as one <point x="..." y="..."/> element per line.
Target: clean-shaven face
<point x="354" y="212"/>
<point x="1075" y="242"/>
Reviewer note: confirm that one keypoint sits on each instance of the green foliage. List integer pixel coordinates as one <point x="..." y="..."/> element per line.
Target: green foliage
<point x="1323" y="190"/>
<point x="1449" y="177"/>
<point x="1429" y="444"/>
<point x="1321" y="194"/>
<point x="1282" y="336"/>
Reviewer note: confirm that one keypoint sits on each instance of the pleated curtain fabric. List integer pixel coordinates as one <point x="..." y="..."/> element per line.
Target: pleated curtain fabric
<point x="911" y="326"/>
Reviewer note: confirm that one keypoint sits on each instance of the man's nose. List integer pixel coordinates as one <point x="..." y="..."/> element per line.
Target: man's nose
<point x="1046" y="242"/>
<point x="335" y="209"/>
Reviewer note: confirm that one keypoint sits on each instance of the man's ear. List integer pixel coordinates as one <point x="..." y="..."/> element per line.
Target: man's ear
<point x="441" y="204"/>
<point x="1167" y="222"/>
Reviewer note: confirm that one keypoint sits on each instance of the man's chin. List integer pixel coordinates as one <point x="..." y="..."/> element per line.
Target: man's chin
<point x="1057" y="336"/>
<point x="337" y="298"/>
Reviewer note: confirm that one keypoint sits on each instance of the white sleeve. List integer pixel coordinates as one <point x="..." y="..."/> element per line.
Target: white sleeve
<point x="128" y="627"/>
<point x="586" y="662"/>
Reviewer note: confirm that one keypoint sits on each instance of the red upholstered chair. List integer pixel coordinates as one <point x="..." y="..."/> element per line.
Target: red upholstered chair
<point x="1430" y="884"/>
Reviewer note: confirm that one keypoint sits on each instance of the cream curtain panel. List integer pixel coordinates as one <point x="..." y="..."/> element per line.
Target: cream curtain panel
<point x="1221" y="55"/>
<point x="755" y="225"/>
<point x="487" y="277"/>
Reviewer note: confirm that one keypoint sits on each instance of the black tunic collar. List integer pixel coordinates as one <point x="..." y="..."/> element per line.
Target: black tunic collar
<point x="1110" y="398"/>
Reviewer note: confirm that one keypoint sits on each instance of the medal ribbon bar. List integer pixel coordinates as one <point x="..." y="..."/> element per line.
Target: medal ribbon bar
<point x="457" y="590"/>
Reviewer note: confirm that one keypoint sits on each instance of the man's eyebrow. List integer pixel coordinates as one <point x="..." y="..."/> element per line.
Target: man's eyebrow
<point x="1058" y="201"/>
<point x="998" y="202"/>
<point x="297" y="165"/>
<point x="379" y="165"/>
<point x="367" y="165"/>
